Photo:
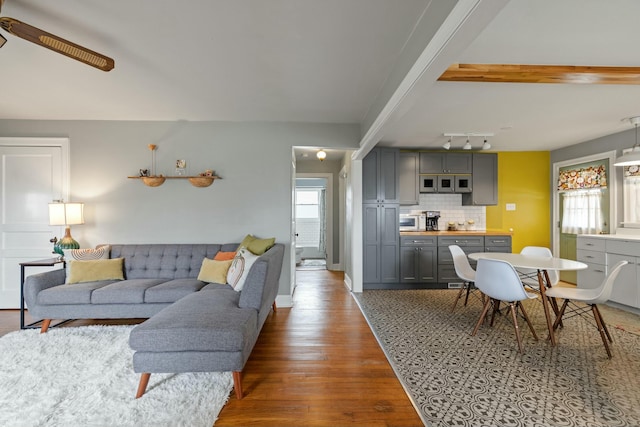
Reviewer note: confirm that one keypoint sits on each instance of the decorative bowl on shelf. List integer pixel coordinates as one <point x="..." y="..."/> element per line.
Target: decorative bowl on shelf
<point x="153" y="181"/>
<point x="201" y="181"/>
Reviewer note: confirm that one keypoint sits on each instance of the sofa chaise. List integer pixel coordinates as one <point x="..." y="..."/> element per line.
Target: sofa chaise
<point x="192" y="325"/>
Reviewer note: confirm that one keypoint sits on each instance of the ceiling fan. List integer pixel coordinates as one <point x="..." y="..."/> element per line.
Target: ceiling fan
<point x="55" y="43"/>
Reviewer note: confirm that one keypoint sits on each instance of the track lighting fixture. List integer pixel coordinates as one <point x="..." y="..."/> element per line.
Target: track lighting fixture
<point x="468" y="136"/>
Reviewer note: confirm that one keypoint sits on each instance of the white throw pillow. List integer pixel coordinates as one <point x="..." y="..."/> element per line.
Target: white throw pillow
<point x="240" y="267"/>
<point x="84" y="255"/>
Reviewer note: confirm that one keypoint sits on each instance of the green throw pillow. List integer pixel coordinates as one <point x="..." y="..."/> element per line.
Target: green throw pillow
<point x="94" y="270"/>
<point x="260" y="246"/>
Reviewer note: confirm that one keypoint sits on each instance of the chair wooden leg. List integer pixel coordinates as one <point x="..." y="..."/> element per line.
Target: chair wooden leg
<point x="496" y="309"/>
<point x="560" y="314"/>
<point x="466" y="298"/>
<point x="601" y="330"/>
<point x="142" y="386"/>
<point x="512" y="308"/>
<point x="604" y="325"/>
<point x="237" y="384"/>
<point x="482" y="316"/>
<point x="45" y="326"/>
<point x="458" y="298"/>
<point x="526" y="317"/>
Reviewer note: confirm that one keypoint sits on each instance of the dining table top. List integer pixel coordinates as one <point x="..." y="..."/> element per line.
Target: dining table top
<point x="533" y="262"/>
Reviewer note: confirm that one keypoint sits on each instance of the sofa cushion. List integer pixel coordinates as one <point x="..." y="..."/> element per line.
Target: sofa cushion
<point x="172" y="290"/>
<point x="79" y="293"/>
<point x="240" y="268"/>
<point x="87" y="254"/>
<point x="204" y="321"/>
<point x="214" y="271"/>
<point x="94" y="270"/>
<point x="124" y="292"/>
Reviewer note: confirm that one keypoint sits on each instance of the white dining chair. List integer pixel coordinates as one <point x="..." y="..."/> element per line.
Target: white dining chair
<point x="464" y="271"/>
<point x="529" y="276"/>
<point x="590" y="298"/>
<point x="499" y="281"/>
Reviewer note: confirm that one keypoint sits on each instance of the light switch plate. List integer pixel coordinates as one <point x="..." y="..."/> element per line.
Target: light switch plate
<point x="511" y="206"/>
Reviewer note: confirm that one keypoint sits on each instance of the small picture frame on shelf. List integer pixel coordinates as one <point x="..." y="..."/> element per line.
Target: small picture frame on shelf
<point x="181" y="167"/>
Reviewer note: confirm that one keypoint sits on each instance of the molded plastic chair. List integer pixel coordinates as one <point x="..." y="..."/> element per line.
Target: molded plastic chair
<point x="500" y="282"/>
<point x="529" y="276"/>
<point x="590" y="297"/>
<point x="464" y="271"/>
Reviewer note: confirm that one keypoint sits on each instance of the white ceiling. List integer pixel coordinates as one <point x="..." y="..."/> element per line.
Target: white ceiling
<point x="321" y="61"/>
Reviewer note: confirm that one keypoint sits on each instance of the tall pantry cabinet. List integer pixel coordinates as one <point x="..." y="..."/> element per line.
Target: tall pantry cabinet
<point x="380" y="210"/>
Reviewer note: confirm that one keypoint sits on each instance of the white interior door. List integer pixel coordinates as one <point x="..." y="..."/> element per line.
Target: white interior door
<point x="31" y="176"/>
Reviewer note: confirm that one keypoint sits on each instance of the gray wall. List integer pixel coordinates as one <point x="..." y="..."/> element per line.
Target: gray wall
<point x="254" y="160"/>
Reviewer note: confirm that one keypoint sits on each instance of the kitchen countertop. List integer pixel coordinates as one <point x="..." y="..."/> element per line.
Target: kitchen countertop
<point x="457" y="233"/>
<point x="634" y="237"/>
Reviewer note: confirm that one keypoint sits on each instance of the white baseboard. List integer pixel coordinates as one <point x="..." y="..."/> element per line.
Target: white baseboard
<point x="347" y="281"/>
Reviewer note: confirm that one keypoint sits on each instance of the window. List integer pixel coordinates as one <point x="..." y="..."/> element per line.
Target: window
<point x="583" y="188"/>
<point x="307" y="203"/>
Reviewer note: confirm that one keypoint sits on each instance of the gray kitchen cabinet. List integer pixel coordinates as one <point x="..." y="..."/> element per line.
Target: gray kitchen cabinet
<point x="497" y="244"/>
<point x="380" y="176"/>
<point x="408" y="178"/>
<point x="591" y="251"/>
<point x="484" y="181"/>
<point x="381" y="211"/>
<point x="468" y="243"/>
<point x="381" y="243"/>
<point x="450" y="163"/>
<point x="418" y="259"/>
<point x="601" y="253"/>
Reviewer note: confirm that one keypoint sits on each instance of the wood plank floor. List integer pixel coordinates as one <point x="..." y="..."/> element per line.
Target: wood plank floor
<point x="316" y="364"/>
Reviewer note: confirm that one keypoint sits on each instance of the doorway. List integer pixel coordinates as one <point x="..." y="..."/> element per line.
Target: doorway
<point x="312" y="196"/>
<point x="584" y="193"/>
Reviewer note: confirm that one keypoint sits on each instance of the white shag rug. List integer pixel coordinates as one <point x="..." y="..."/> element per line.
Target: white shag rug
<point x="83" y="376"/>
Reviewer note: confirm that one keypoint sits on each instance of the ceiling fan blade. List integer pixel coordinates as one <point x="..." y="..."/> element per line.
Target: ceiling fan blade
<point x="57" y="44"/>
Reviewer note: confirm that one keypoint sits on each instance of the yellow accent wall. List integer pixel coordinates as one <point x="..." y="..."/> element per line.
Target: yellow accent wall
<point x="523" y="179"/>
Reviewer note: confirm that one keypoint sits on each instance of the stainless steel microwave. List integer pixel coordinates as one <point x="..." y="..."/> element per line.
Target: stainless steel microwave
<point x="409" y="222"/>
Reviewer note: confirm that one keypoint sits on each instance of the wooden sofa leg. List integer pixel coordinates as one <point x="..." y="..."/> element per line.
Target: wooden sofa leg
<point x="237" y="384"/>
<point x="142" y="386"/>
<point x="274" y="306"/>
<point x="45" y="325"/>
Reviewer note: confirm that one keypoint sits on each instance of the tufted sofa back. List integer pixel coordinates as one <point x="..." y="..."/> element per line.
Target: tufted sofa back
<point x="166" y="261"/>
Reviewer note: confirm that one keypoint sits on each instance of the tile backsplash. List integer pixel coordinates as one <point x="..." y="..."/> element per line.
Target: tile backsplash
<point x="451" y="209"/>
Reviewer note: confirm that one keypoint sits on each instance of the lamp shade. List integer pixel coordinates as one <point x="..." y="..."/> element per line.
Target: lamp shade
<point x="629" y="159"/>
<point x="66" y="213"/>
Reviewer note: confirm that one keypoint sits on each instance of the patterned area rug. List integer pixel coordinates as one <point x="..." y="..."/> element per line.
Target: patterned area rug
<point x="455" y="379"/>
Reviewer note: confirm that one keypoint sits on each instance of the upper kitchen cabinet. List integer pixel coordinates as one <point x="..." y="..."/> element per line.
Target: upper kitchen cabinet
<point x="380" y="176"/>
<point x="484" y="181"/>
<point x="408" y="178"/>
<point x="438" y="163"/>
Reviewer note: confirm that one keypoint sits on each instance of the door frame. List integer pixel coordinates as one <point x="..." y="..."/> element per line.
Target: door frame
<point x="613" y="193"/>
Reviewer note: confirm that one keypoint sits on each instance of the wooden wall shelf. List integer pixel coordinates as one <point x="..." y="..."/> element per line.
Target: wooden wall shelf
<point x="156" y="181"/>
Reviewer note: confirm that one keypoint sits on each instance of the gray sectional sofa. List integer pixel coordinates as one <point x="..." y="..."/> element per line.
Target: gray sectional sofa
<point x="192" y="326"/>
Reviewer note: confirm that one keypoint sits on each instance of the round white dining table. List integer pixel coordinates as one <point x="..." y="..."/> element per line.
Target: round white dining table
<point x="542" y="265"/>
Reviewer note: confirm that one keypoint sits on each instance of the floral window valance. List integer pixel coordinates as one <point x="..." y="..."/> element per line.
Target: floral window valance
<point x="583" y="178"/>
<point x="630" y="171"/>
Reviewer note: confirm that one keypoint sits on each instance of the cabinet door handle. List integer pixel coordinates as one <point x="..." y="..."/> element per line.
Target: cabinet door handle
<point x="462" y="241"/>
<point x="599" y="271"/>
<point x="499" y="241"/>
<point x="589" y="244"/>
<point x="588" y="256"/>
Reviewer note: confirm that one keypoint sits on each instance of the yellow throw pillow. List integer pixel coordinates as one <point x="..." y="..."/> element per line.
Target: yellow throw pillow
<point x="260" y="246"/>
<point x="245" y="242"/>
<point x="214" y="271"/>
<point x="94" y="270"/>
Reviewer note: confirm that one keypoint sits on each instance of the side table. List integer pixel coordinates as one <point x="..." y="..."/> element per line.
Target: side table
<point x="49" y="262"/>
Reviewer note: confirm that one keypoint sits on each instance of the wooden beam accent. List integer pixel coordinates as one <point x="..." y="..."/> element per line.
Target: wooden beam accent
<point x="519" y="73"/>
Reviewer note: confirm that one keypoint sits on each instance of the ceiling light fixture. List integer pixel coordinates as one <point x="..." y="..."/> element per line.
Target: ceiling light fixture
<point x="631" y="157"/>
<point x="321" y="155"/>
<point x="468" y="136"/>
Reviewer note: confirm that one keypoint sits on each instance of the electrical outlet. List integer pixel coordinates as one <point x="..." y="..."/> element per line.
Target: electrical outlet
<point x="511" y="206"/>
